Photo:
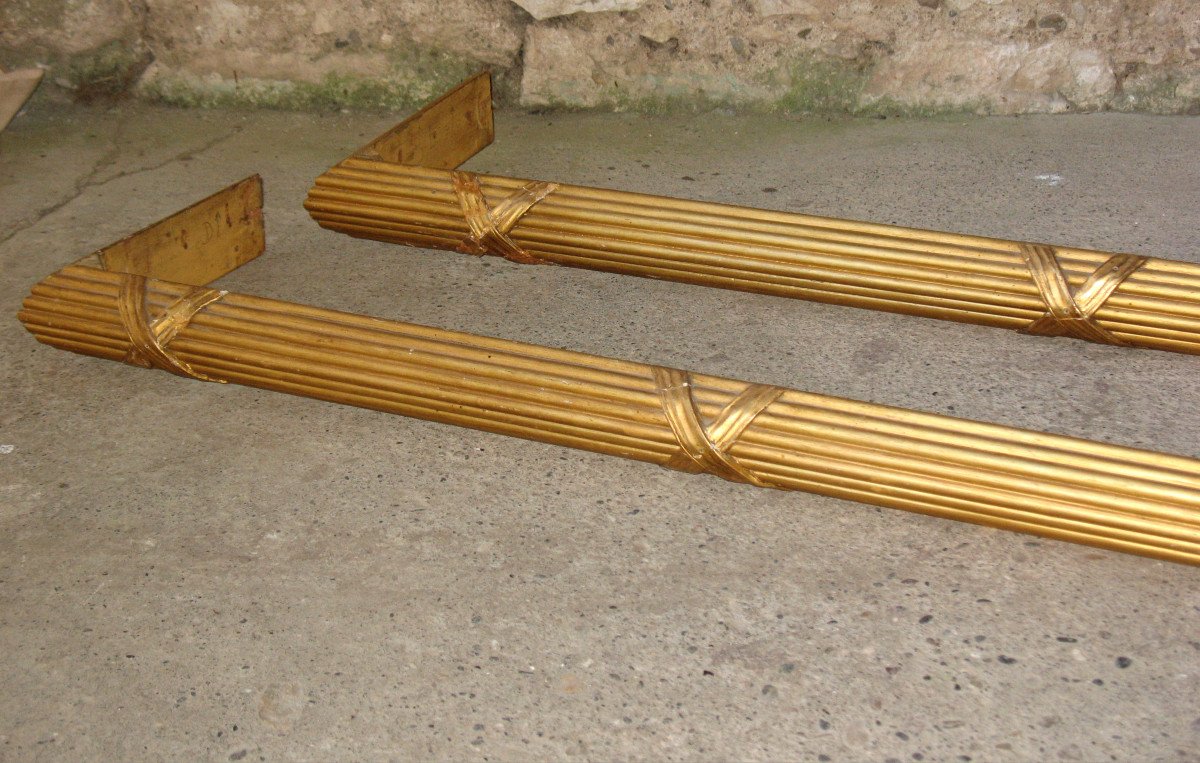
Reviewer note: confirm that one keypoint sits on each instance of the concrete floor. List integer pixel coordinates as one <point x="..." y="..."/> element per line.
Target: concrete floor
<point x="190" y="571"/>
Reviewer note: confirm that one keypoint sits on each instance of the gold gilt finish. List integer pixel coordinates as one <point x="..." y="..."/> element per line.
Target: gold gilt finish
<point x="412" y="197"/>
<point x="1058" y="487"/>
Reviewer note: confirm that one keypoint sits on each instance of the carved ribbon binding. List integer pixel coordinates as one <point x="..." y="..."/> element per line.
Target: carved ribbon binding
<point x="149" y="339"/>
<point x="1072" y="312"/>
<point x="490" y="227"/>
<point x="706" y="448"/>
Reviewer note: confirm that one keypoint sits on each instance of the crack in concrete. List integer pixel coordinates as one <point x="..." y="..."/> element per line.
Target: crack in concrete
<point x="108" y="159"/>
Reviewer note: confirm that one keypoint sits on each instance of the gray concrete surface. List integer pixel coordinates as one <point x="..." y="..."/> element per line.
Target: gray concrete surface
<point x="189" y="571"/>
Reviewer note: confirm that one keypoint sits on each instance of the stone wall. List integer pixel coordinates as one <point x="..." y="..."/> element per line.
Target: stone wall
<point x="861" y="56"/>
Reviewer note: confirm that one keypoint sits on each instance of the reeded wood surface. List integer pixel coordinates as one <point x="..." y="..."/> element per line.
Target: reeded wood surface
<point x="1059" y="487"/>
<point x="970" y="279"/>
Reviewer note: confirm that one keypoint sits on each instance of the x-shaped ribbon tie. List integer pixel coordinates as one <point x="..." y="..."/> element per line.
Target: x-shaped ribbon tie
<point x="1072" y="312"/>
<point x="706" y="449"/>
<point x="490" y="227"/>
<point x="148" y="339"/>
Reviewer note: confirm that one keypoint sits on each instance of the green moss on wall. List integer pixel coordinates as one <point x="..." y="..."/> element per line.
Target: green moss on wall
<point x="415" y="76"/>
<point x="820" y="86"/>
<point x="1165" y="95"/>
<point x="110" y="70"/>
<point x="666" y="101"/>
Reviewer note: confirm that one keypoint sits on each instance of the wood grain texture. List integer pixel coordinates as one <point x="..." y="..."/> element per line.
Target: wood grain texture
<point x="15" y="89"/>
<point x="1110" y="496"/>
<point x="445" y="133"/>
<point x="199" y="244"/>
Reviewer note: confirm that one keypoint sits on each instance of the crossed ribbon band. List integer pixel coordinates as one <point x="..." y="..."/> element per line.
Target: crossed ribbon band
<point x="706" y="448"/>
<point x="1072" y="312"/>
<point x="490" y="227"/>
<point x="149" y="339"/>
